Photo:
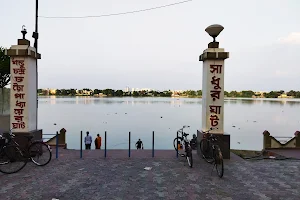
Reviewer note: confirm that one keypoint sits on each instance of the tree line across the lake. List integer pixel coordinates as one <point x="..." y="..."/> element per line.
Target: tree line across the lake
<point x="166" y="93"/>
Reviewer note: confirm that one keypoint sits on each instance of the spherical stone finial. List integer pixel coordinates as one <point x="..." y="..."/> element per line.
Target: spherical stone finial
<point x="24" y="31"/>
<point x="214" y="30"/>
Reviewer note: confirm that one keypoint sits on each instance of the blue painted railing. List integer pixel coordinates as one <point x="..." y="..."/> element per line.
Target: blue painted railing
<point x="105" y="144"/>
<point x="56" y="142"/>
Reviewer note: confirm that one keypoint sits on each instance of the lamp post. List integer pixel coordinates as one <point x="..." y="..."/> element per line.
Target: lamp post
<point x="35" y="35"/>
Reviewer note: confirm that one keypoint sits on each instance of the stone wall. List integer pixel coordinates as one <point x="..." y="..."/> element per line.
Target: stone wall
<point x="271" y="142"/>
<point x="4" y="101"/>
<point x="4" y="123"/>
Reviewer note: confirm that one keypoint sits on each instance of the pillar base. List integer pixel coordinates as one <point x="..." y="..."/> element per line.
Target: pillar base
<point x="23" y="141"/>
<point x="223" y="142"/>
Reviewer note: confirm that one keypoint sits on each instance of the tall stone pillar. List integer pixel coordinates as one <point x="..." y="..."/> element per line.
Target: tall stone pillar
<point x="213" y="89"/>
<point x="23" y="89"/>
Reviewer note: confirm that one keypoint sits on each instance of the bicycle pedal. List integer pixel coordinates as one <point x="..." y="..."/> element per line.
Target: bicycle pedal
<point x="182" y="155"/>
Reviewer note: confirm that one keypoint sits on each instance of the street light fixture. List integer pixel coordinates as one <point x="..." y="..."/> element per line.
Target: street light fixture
<point x="214" y="30"/>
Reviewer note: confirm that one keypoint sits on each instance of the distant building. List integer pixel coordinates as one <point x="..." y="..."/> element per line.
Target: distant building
<point x="146" y="89"/>
<point x="284" y="96"/>
<point x="176" y="93"/>
<point x="52" y="91"/>
<point x="45" y="91"/>
<point x="127" y="89"/>
<point x="87" y="92"/>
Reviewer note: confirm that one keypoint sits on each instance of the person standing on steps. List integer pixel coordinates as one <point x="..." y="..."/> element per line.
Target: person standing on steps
<point x="98" y="141"/>
<point x="88" y="140"/>
<point x="139" y="144"/>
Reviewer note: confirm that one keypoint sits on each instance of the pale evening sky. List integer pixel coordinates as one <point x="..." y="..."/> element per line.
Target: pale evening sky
<point x="160" y="48"/>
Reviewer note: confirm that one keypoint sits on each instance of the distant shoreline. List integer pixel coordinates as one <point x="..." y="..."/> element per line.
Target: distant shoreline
<point x="183" y="97"/>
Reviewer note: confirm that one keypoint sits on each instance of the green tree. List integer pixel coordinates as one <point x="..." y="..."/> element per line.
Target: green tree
<point x="64" y="92"/>
<point x="155" y="93"/>
<point x="291" y="93"/>
<point x="109" y="92"/>
<point x="72" y="92"/>
<point x="97" y="91"/>
<point x="135" y="94"/>
<point x="58" y="92"/>
<point x="273" y="94"/>
<point x="192" y="93"/>
<point x="119" y="93"/>
<point x="4" y="73"/>
<point x="247" y="93"/>
<point x="233" y="94"/>
<point x="199" y="92"/>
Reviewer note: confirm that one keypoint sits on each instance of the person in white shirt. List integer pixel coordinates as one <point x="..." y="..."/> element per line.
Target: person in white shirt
<point x="88" y="140"/>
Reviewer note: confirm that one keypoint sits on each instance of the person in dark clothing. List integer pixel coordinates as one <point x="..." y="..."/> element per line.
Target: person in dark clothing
<point x="139" y="144"/>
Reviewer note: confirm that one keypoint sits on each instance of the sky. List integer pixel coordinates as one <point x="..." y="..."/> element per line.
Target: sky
<point x="160" y="48"/>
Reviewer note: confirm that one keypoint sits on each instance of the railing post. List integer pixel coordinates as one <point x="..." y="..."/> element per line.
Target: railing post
<point x="129" y="144"/>
<point x="177" y="145"/>
<point x="81" y="144"/>
<point x="56" y="145"/>
<point x="105" y="144"/>
<point x="153" y="144"/>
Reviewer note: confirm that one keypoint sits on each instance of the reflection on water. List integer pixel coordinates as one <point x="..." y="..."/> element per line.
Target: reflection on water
<point x="159" y="100"/>
<point x="245" y="119"/>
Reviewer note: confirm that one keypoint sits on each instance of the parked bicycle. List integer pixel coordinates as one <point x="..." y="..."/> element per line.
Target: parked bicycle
<point x="211" y="152"/>
<point x="12" y="154"/>
<point x="182" y="143"/>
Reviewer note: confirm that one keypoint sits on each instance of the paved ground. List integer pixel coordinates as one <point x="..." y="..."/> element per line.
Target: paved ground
<point x="70" y="178"/>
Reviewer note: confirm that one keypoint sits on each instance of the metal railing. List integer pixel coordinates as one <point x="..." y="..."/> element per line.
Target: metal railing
<point x="56" y="141"/>
<point x="105" y="144"/>
<point x="51" y="136"/>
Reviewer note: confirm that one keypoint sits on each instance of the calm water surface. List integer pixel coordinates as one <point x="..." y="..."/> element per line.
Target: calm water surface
<point x="245" y="119"/>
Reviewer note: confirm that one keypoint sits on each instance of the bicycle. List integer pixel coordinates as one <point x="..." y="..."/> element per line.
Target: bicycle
<point x="34" y="149"/>
<point x="181" y="138"/>
<point x="211" y="152"/>
<point x="184" y="142"/>
<point x="10" y="155"/>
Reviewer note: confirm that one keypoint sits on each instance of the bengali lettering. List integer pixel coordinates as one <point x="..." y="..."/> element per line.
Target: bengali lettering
<point x="215" y="109"/>
<point x="19" y="95"/>
<point x="18" y="111"/>
<point x="18" y="76"/>
<point x="215" y="93"/>
<point x="216" y="69"/>
<point x="216" y="82"/>
<point x="214" y="120"/>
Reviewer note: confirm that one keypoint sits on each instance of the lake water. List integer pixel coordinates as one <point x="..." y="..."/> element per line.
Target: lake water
<point x="164" y="116"/>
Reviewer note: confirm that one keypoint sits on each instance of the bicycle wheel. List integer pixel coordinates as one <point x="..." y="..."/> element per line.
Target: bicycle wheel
<point x="12" y="160"/>
<point x="206" y="151"/>
<point x="175" y="142"/>
<point x="40" y="153"/>
<point x="189" y="158"/>
<point x="219" y="162"/>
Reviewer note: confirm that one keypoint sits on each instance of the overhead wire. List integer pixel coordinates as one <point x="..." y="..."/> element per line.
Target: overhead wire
<point x="115" y="14"/>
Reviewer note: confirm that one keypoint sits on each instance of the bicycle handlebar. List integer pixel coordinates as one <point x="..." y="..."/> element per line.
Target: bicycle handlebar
<point x="185" y="126"/>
